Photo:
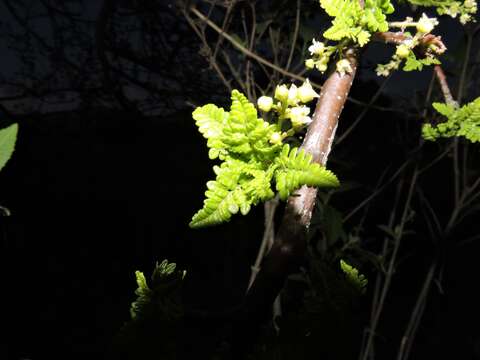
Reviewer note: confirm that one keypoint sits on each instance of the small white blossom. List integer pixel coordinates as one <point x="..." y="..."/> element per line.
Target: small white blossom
<point x="464" y="18"/>
<point x="343" y="66"/>
<point x="265" y="103"/>
<point x="281" y="92"/>
<point x="306" y="92"/>
<point x="425" y="24"/>
<point x="299" y="116"/>
<point x="293" y="95"/>
<point x="316" y="48"/>
<point x="470" y="3"/>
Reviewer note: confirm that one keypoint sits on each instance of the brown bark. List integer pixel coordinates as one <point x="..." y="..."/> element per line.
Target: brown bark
<point x="289" y="248"/>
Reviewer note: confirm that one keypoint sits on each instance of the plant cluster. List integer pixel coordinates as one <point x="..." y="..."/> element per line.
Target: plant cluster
<point x="405" y="49"/>
<point x="464" y="10"/>
<point x="464" y="121"/>
<point x="253" y="154"/>
<point x="357" y="280"/>
<point x="160" y="299"/>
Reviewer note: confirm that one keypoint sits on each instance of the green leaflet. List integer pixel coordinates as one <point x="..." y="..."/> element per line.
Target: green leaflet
<point x="161" y="299"/>
<point x="358" y="280"/>
<point x="250" y="162"/>
<point x="413" y="63"/>
<point x="464" y="121"/>
<point x="8" y="137"/>
<point x="295" y="168"/>
<point x="353" y="22"/>
<point x="236" y="133"/>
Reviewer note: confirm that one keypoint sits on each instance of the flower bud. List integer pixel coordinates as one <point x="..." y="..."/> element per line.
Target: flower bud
<point x="275" y="138"/>
<point x="293" y="95"/>
<point x="265" y="103"/>
<point x="321" y="66"/>
<point x="343" y="66"/>
<point x="299" y="116"/>
<point x="426" y="24"/>
<point x="281" y="92"/>
<point x="306" y="92"/>
<point x="310" y="63"/>
<point x="402" y="51"/>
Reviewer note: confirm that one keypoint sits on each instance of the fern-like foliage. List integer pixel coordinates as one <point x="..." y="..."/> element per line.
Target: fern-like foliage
<point x="358" y="280"/>
<point x="295" y="168"/>
<point x="250" y="162"/>
<point x="353" y="22"/>
<point x="464" y="121"/>
<point x="8" y="137"/>
<point x="160" y="300"/>
<point x="413" y="63"/>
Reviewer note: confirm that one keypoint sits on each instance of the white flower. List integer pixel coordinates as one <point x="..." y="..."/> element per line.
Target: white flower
<point x="265" y="103"/>
<point x="306" y="92"/>
<point x="281" y="92"/>
<point x="293" y="95"/>
<point x="343" y="66"/>
<point x="316" y="48"/>
<point x="426" y="24"/>
<point x="299" y="116"/>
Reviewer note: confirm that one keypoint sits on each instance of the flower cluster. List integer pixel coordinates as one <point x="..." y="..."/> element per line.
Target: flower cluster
<point x="321" y="56"/>
<point x="288" y="103"/>
<point x="404" y="50"/>
<point x="455" y="8"/>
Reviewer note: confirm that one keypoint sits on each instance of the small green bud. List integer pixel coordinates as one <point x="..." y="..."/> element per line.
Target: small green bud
<point x="402" y="51"/>
<point x="275" y="138"/>
<point x="265" y="103"/>
<point x="310" y="63"/>
<point x="321" y="66"/>
<point x="426" y="24"/>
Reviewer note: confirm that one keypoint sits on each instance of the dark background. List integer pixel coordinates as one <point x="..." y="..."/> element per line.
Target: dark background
<point x="97" y="192"/>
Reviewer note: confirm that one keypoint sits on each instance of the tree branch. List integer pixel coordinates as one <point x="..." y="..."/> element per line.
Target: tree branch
<point x="289" y="248"/>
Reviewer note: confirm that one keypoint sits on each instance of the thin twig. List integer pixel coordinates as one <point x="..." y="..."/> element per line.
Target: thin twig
<point x="416" y="316"/>
<point x="363" y="112"/>
<point x="390" y="269"/>
<point x="295" y="36"/>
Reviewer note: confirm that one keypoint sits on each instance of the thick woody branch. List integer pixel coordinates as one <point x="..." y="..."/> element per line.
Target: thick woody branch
<point x="425" y="41"/>
<point x="288" y="250"/>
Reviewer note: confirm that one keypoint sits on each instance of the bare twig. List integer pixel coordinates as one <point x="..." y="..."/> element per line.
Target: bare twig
<point x="295" y="36"/>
